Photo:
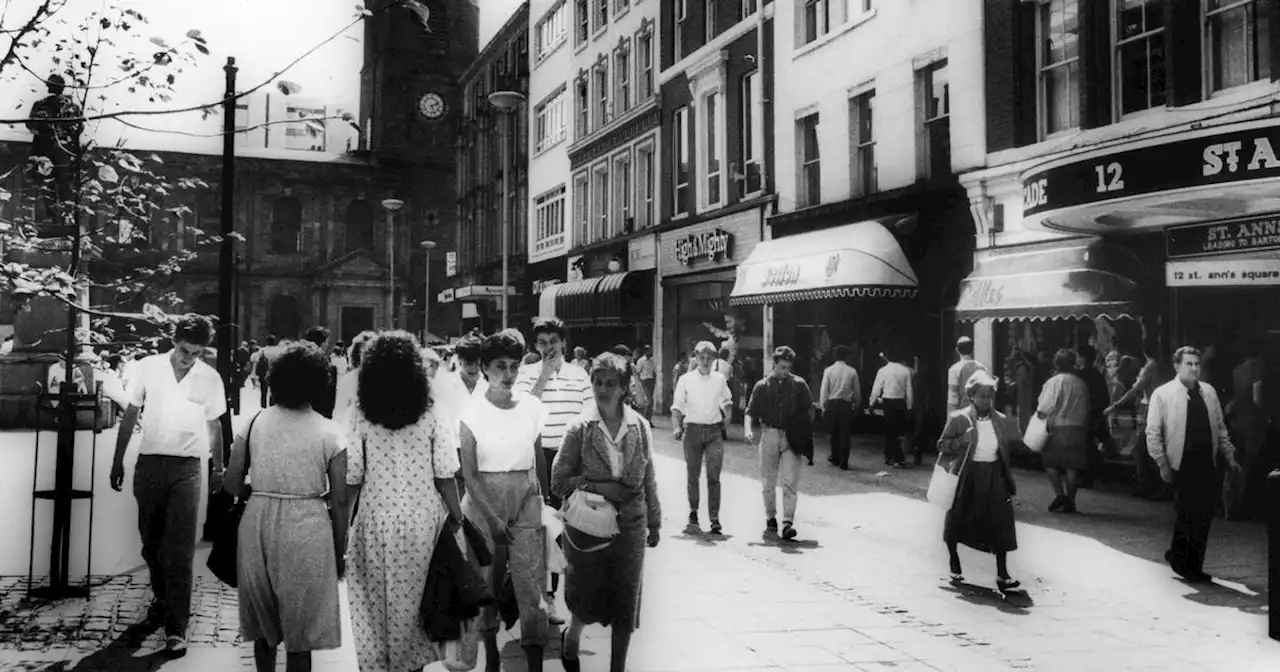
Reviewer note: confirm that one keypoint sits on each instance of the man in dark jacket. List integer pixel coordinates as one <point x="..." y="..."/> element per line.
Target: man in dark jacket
<point x="783" y="405"/>
<point x="1099" y="399"/>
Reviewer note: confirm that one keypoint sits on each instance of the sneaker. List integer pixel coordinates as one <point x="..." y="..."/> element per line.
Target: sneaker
<point x="1057" y="504"/>
<point x="175" y="646"/>
<point x="715" y="527"/>
<point x="553" y="616"/>
<point x="1068" y="505"/>
<point x="788" y="532"/>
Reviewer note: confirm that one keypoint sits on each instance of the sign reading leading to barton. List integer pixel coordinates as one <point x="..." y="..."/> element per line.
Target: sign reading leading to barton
<point x="1224" y="237"/>
<point x="711" y="245"/>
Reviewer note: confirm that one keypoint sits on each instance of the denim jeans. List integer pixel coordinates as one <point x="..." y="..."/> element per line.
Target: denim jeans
<point x="703" y="442"/>
<point x="779" y="465"/>
<point x="168" y="493"/>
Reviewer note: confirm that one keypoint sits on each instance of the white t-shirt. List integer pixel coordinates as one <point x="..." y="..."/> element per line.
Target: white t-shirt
<point x="450" y="396"/>
<point x="505" y="437"/>
<point x="175" y="415"/>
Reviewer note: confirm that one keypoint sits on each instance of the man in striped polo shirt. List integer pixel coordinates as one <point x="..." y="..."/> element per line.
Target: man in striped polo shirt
<point x="564" y="390"/>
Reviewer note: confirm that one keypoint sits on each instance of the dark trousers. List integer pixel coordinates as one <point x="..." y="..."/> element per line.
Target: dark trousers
<point x="550" y="456"/>
<point x="168" y="494"/>
<point x="1197" y="486"/>
<point x="839" y="415"/>
<point x="896" y="419"/>
<point x="650" y="402"/>
<point x="703" y="442"/>
<point x="262" y="389"/>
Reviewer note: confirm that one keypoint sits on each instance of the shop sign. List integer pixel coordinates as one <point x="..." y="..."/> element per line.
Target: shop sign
<point x="539" y="286"/>
<point x="1223" y="272"/>
<point x="642" y="253"/>
<point x="481" y="291"/>
<point x="1222" y="158"/>
<point x="446" y="296"/>
<point x="710" y="245"/>
<point x="1225" y="237"/>
<point x="450" y="264"/>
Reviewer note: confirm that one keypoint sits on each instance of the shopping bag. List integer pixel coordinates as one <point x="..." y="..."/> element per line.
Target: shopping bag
<point x="942" y="487"/>
<point x="463" y="654"/>
<point x="1037" y="434"/>
<point x="554" y="527"/>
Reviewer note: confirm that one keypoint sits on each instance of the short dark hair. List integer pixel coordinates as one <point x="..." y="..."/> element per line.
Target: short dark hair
<point x="621" y="350"/>
<point x="785" y="353"/>
<point x="1064" y="359"/>
<point x="614" y="363"/>
<point x="468" y="349"/>
<point x="550" y="325"/>
<point x="1184" y="351"/>
<point x="393" y="391"/>
<point x="1088" y="353"/>
<point x="964" y="346"/>
<point x="318" y="335"/>
<point x="299" y="374"/>
<point x="194" y="329"/>
<point x="357" y="347"/>
<point x="271" y="339"/>
<point x="499" y="345"/>
<point x="725" y="351"/>
<point x="840" y="353"/>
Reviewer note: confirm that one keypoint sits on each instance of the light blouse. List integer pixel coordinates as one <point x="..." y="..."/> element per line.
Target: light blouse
<point x="988" y="448"/>
<point x="505" y="437"/>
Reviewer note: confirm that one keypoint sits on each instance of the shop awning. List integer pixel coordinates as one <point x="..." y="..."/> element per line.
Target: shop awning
<point x="1082" y="277"/>
<point x="617" y="299"/>
<point x="854" y="260"/>
<point x="547" y="300"/>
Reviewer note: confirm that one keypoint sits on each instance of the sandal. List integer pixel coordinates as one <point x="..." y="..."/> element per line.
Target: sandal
<point x="1007" y="584"/>
<point x="569" y="665"/>
<point x="957" y="577"/>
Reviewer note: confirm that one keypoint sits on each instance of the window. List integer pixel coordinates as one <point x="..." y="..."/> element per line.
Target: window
<point x="582" y="29"/>
<point x="810" y="187"/>
<point x="602" y="14"/>
<point x="1140" y="74"/>
<point x="862" y="137"/>
<point x="602" y="95"/>
<point x="286" y="225"/>
<point x="937" y="120"/>
<point x="582" y="100"/>
<point x="682" y="14"/>
<point x="622" y="78"/>
<point x="644" y="63"/>
<point x="749" y="7"/>
<point x="680" y="155"/>
<point x="581" y="208"/>
<point x="621" y="196"/>
<point x="549" y="122"/>
<point x="709" y="17"/>
<point x="1239" y="43"/>
<point x="645" y="186"/>
<point x="549" y="219"/>
<point x="816" y="20"/>
<point x="1058" y="34"/>
<point x="711" y="156"/>
<point x="551" y="31"/>
<point x="862" y="6"/>
<point x="600" y="202"/>
<point x="752" y="133"/>
<point x="620" y="6"/>
<point x="359" y="226"/>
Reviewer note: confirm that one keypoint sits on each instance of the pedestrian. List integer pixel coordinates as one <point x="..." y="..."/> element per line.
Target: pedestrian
<point x="678" y="369"/>
<point x="699" y="412"/>
<point x="839" y="398"/>
<point x="459" y="387"/>
<point x="976" y="439"/>
<point x="565" y="391"/>
<point x="723" y="365"/>
<point x="1099" y="399"/>
<point x="580" y="358"/>
<point x="607" y="453"/>
<point x="1064" y="406"/>
<point x="346" y="391"/>
<point x="260" y="368"/>
<point x="184" y="400"/>
<point x="1151" y="376"/>
<point x="403" y="473"/>
<point x="502" y="439"/>
<point x="327" y="398"/>
<point x="635" y="396"/>
<point x="893" y="393"/>
<point x="1250" y="420"/>
<point x="1188" y="439"/>
<point x="960" y="372"/>
<point x="783" y="405"/>
<point x="291" y="544"/>
<point x="647" y="370"/>
<point x="339" y="357"/>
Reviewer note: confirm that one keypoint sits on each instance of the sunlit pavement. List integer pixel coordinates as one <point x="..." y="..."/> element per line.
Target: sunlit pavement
<point x="864" y="589"/>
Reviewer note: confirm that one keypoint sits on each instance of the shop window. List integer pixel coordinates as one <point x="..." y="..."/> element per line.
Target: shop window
<point x="1139" y="54"/>
<point x="862" y="136"/>
<point x="1238" y="42"/>
<point x="703" y="313"/>
<point x="680" y="151"/>
<point x="809" y="190"/>
<point x="1058" y="34"/>
<point x="935" y="87"/>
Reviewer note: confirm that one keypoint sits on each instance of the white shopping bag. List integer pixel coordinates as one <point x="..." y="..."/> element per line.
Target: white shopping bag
<point x="1037" y="434"/>
<point x="554" y="528"/>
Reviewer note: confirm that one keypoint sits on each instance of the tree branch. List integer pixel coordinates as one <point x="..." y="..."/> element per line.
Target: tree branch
<point x="44" y="11"/>
<point x="238" y="130"/>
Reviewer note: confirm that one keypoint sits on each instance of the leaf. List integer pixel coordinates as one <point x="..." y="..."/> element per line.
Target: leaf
<point x="162" y="58"/>
<point x="159" y="42"/>
<point x="156" y="158"/>
<point x="202" y="49"/>
<point x="288" y="88"/>
<point x="194" y="34"/>
<point x="108" y="174"/>
<point x="421" y="12"/>
<point x="129" y="163"/>
<point x="105" y="23"/>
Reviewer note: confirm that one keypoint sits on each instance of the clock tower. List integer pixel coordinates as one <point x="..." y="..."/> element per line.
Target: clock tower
<point x="409" y="93"/>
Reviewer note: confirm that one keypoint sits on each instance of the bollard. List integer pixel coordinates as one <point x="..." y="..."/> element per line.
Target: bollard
<point x="1273" y="554"/>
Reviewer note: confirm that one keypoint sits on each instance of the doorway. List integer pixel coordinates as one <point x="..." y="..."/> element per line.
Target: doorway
<point x="356" y="319"/>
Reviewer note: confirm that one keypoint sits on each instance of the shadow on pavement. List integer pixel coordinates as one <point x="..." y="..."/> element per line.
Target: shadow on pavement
<point x="1217" y="595"/>
<point x="1017" y="602"/>
<point x="118" y="656"/>
<point x="703" y="539"/>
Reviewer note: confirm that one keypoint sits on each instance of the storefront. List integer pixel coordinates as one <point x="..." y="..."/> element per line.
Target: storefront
<point x="699" y="266"/>
<point x="607" y="299"/>
<point x="542" y="276"/>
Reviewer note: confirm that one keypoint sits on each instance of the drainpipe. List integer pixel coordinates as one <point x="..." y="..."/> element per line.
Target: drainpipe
<point x="760" y="64"/>
<point x="765" y="233"/>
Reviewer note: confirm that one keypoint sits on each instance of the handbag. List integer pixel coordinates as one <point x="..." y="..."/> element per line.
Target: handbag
<point x="592" y="515"/>
<point x="1037" y="434"/>
<point x="226" y="548"/>
<point x="943" y="484"/>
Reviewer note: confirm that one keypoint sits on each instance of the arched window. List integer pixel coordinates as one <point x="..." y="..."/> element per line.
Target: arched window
<point x="286" y="225"/>
<point x="284" y="319"/>
<point x="359" y="222"/>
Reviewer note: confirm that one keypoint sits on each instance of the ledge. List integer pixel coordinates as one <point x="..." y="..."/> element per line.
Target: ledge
<point x="637" y="121"/>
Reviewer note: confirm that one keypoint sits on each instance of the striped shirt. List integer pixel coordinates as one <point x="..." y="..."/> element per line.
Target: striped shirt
<point x="565" y="395"/>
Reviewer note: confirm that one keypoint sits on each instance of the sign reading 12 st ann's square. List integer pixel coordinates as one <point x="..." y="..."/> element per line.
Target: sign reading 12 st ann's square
<point x="1249" y="151"/>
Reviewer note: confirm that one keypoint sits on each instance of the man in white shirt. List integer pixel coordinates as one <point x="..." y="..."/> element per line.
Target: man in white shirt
<point x="1188" y="439"/>
<point x="699" y="413"/>
<point x="839" y="398"/>
<point x="892" y="392"/>
<point x="184" y="400"/>
<point x="454" y="390"/>
<point x="647" y="370"/>
<point x="958" y="374"/>
<point x="565" y="390"/>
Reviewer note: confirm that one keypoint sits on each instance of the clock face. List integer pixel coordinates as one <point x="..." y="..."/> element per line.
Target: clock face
<point x="431" y="106"/>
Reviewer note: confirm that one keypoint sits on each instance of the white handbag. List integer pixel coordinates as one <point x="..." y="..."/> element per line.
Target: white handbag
<point x="943" y="483"/>
<point x="591" y="514"/>
<point x="1037" y="434"/>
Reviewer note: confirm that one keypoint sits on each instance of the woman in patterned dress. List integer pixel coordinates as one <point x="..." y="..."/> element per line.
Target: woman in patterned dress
<point x="607" y="451"/>
<point x="505" y="472"/>
<point x="403" y="462"/>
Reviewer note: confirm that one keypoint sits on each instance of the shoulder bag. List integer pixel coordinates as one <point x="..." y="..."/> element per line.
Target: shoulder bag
<point x="226" y="548"/>
<point x="943" y="484"/>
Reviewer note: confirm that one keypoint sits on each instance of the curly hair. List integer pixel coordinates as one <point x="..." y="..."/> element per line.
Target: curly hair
<point x="299" y="374"/>
<point x="784" y="353"/>
<point x="550" y="325"/>
<point x="357" y="347"/>
<point x="194" y="329"/>
<point x="616" y="364"/>
<point x="499" y="345"/>
<point x="393" y="390"/>
<point x="468" y="349"/>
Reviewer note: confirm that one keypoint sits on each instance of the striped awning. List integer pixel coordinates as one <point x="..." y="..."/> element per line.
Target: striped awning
<point x="617" y="299"/>
<point x="832" y="293"/>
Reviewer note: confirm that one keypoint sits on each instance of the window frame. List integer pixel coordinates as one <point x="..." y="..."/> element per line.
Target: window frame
<point x="558" y="14"/>
<point x="621" y="190"/>
<point x="582" y="104"/>
<point x="646" y="197"/>
<point x="682" y="16"/>
<point x="710" y="134"/>
<point x="600" y="18"/>
<point x="864" y="181"/>
<point x="600" y="101"/>
<point x="680" y="152"/>
<point x="644" y="65"/>
<point x="1043" y="19"/>
<point x="928" y="124"/>
<point x="822" y="20"/>
<point x="1210" y="49"/>
<point x="581" y="207"/>
<point x="1117" y="80"/>
<point x="547" y="207"/>
<point x="804" y="163"/>
<point x="709" y="20"/>
<point x="749" y="8"/>
<point x="547" y="113"/>
<point x="623" y="100"/>
<point x="581" y="22"/>
<point x="601" y="201"/>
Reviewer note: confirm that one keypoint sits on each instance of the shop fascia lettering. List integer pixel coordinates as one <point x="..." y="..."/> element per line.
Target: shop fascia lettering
<point x="711" y="245"/>
<point x="1243" y="236"/>
<point x="1226" y="156"/>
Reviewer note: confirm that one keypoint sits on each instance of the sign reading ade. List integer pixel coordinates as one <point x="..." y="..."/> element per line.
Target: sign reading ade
<point x="711" y="245"/>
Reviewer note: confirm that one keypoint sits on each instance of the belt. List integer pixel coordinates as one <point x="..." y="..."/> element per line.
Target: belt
<point x="284" y="495"/>
<point x="703" y="424"/>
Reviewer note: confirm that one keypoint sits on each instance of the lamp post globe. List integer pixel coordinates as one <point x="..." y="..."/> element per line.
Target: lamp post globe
<point x="506" y="100"/>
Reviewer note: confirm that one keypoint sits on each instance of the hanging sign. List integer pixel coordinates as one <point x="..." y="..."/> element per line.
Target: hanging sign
<point x="1246" y="234"/>
<point x="1223" y="272"/>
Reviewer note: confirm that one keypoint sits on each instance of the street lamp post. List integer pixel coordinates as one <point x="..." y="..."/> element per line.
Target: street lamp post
<point x="506" y="102"/>
<point x="392" y="205"/>
<point x="427" y="246"/>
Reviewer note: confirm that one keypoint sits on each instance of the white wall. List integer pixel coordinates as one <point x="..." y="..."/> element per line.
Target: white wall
<point x="550" y="169"/>
<point x="880" y="47"/>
